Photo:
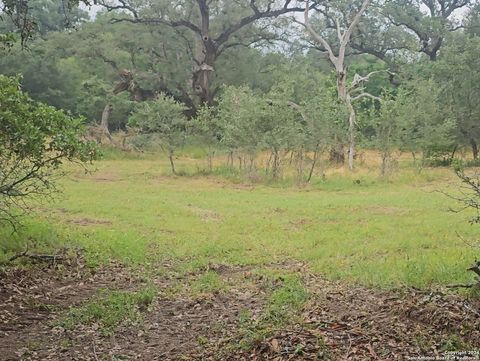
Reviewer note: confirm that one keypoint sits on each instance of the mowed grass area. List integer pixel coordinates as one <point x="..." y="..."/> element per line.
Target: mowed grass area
<point x="383" y="233"/>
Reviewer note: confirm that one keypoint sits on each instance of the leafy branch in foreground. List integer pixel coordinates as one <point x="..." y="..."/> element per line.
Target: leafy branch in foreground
<point x="35" y="140"/>
<point x="469" y="198"/>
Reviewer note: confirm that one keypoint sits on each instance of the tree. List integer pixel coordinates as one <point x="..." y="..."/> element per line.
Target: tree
<point x="429" y="20"/>
<point x="163" y="118"/>
<point x="387" y="128"/>
<point x="28" y="17"/>
<point x="377" y="36"/>
<point x="312" y="122"/>
<point x="472" y="20"/>
<point x="324" y="127"/>
<point x="281" y="127"/>
<point x="205" y="128"/>
<point x="35" y="140"/>
<point x="423" y="126"/>
<point x="347" y="92"/>
<point x="457" y="73"/>
<point x="239" y="114"/>
<point x="213" y="27"/>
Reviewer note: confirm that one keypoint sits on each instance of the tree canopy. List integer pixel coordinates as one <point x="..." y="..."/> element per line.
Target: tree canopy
<point x="286" y="75"/>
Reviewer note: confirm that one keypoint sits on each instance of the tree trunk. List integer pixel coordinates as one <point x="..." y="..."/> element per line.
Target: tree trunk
<point x="275" y="164"/>
<point x="337" y="153"/>
<point x="252" y="162"/>
<point x="267" y="167"/>
<point x="300" y="164"/>
<point x="210" y="155"/>
<point x="104" y="122"/>
<point x="314" y="163"/>
<point x="345" y="97"/>
<point x="384" y="166"/>
<point x="474" y="145"/>
<point x="205" y="56"/>
<point x="230" y="159"/>
<point x="454" y="151"/>
<point x="172" y="164"/>
<point x="351" y="135"/>
<point x="201" y="82"/>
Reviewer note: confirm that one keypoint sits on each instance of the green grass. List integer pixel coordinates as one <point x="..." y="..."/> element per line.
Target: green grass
<point x="109" y="309"/>
<point x="209" y="282"/>
<point x="381" y="232"/>
<point x="286" y="296"/>
<point x="285" y="301"/>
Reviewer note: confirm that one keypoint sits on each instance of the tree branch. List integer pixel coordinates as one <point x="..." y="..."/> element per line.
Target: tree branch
<point x="358" y="79"/>
<point x="366" y="95"/>
<point x="348" y="33"/>
<point x="317" y="37"/>
<point x="257" y="14"/>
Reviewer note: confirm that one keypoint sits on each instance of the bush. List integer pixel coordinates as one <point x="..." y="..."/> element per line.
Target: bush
<point x="164" y="118"/>
<point x="35" y="140"/>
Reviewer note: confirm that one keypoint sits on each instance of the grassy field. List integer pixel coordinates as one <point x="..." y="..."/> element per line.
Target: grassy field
<point x="355" y="227"/>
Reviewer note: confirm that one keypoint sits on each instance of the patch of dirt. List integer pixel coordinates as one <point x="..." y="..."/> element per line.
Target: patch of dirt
<point x="85" y="221"/>
<point x="385" y="210"/>
<point x="206" y="215"/>
<point x="174" y="328"/>
<point x="299" y="224"/>
<point x="29" y="298"/>
<point x="179" y="329"/>
<point x="239" y="186"/>
<point x="339" y="322"/>
<point x="98" y="176"/>
<point x="105" y="177"/>
<point x="344" y="322"/>
<point x="378" y="210"/>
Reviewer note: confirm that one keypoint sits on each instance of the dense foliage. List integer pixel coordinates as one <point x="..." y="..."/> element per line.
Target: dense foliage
<point x="35" y="140"/>
<point x="243" y="78"/>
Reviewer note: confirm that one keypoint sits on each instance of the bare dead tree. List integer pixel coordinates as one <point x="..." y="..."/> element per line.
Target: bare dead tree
<point x="348" y="93"/>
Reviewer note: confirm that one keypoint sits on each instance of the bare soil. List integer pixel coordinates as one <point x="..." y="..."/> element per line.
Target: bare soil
<point x="339" y="322"/>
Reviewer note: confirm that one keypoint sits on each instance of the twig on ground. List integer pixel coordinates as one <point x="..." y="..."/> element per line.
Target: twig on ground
<point x="95" y="352"/>
<point x="476" y="269"/>
<point x="38" y="257"/>
<point x="461" y="286"/>
<point x="349" y="347"/>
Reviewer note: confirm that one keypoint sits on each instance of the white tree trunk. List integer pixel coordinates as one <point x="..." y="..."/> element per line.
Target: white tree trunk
<point x="351" y="136"/>
<point x="104" y="123"/>
<point x="338" y="61"/>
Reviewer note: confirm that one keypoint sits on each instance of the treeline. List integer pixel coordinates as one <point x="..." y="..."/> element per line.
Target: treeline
<point x="244" y="77"/>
